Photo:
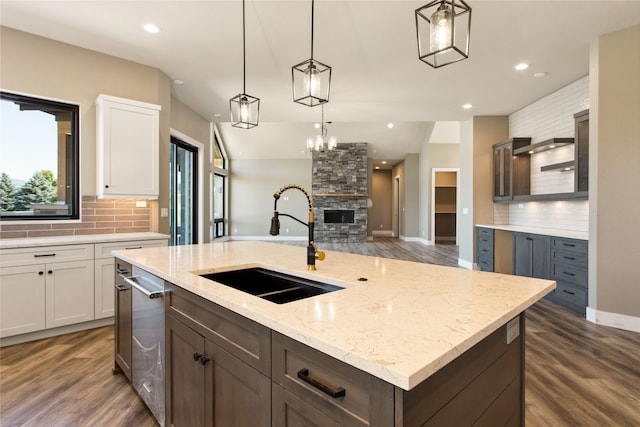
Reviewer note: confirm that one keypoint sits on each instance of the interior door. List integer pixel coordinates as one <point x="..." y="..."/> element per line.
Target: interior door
<point x="183" y="193"/>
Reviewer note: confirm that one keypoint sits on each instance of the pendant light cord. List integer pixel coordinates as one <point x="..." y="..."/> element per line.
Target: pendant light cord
<point x="312" y="2"/>
<point x="244" y="56"/>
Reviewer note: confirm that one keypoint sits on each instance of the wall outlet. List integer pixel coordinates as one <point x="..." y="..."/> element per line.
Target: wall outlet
<point x="465" y="211"/>
<point x="141" y="203"/>
<point x="513" y="330"/>
<point x="164" y="212"/>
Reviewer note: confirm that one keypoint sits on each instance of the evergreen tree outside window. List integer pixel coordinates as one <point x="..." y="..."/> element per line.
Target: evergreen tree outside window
<point x="39" y="159"/>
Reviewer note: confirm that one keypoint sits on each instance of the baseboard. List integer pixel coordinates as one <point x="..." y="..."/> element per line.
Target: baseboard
<point x="387" y="233"/>
<point x="48" y="333"/>
<point x="465" y="264"/>
<point x="614" y="320"/>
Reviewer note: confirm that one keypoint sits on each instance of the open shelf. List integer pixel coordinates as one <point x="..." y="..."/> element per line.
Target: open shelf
<point x="564" y="166"/>
<point x="539" y="147"/>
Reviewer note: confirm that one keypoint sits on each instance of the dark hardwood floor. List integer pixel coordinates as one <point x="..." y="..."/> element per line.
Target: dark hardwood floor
<point x="577" y="373"/>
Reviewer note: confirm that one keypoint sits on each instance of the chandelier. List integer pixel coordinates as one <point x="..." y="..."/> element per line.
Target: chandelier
<point x="317" y="143"/>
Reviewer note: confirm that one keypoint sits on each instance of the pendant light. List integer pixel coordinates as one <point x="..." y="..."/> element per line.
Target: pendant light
<point x="245" y="109"/>
<point x="443" y="29"/>
<point x="317" y="143"/>
<point x="311" y="79"/>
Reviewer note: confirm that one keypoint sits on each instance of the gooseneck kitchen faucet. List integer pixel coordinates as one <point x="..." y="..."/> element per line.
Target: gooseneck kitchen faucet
<point x="312" y="249"/>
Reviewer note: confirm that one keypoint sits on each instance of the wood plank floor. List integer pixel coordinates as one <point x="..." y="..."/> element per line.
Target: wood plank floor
<point x="577" y="373"/>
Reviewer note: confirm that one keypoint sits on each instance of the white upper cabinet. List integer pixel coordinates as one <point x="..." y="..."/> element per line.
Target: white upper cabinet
<point x="127" y="149"/>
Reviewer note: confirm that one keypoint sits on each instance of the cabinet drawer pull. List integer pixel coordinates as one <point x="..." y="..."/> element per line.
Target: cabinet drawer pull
<point x="303" y="374"/>
<point x="134" y="247"/>
<point x="568" y="292"/>
<point x="43" y="255"/>
<point x="121" y="288"/>
<point x="568" y="274"/>
<point x="570" y="258"/>
<point x="528" y="238"/>
<point x="571" y="245"/>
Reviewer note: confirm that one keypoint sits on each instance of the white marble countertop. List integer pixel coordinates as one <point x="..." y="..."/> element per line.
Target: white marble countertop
<point x="403" y="324"/>
<point x="570" y="234"/>
<point x="32" y="242"/>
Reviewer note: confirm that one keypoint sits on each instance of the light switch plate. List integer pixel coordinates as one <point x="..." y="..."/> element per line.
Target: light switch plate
<point x="164" y="212"/>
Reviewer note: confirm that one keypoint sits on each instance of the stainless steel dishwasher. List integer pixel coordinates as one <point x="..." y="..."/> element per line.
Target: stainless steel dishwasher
<point x="147" y="328"/>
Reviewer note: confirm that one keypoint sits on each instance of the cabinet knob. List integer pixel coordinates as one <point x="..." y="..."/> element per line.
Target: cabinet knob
<point x="50" y="272"/>
<point x="40" y="273"/>
<point x="106" y="186"/>
<point x="204" y="360"/>
<point x="196" y="356"/>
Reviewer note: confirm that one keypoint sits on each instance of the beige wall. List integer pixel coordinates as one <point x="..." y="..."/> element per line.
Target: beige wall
<point x="466" y="229"/>
<point x="43" y="67"/>
<point x="382" y="198"/>
<point x="193" y="126"/>
<point x="251" y="187"/>
<point x="433" y="156"/>
<point x="614" y="174"/>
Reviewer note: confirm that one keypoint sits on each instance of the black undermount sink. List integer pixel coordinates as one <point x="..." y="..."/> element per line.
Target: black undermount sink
<point x="271" y="285"/>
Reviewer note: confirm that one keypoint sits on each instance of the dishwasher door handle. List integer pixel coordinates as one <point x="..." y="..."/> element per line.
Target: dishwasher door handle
<point x="133" y="281"/>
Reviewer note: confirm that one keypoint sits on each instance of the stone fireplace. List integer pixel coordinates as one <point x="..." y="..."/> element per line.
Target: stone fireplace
<point x="339" y="187"/>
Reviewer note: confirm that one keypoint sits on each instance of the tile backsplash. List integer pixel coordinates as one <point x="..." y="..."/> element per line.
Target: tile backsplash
<point x="549" y="117"/>
<point x="99" y="216"/>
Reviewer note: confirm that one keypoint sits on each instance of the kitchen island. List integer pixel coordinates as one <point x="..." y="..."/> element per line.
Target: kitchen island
<point x="399" y="325"/>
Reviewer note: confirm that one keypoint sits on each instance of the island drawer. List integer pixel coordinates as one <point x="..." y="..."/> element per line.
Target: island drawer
<point x="247" y="340"/>
<point x="345" y="394"/>
<point x="572" y="245"/>
<point x="570" y="273"/>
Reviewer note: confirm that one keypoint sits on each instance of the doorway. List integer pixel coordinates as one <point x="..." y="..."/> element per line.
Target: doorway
<point x="444" y="205"/>
<point x="183" y="190"/>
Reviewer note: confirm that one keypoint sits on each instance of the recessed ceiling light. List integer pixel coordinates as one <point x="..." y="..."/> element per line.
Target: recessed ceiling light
<point x="390" y="125"/>
<point x="467" y="106"/>
<point x="521" y="66"/>
<point x="540" y="75"/>
<point x="178" y="82"/>
<point x="150" y="28"/>
<point x="217" y="115"/>
<point x="384" y="162"/>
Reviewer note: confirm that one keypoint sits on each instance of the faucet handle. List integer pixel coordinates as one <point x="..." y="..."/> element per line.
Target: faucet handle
<point x="320" y="255"/>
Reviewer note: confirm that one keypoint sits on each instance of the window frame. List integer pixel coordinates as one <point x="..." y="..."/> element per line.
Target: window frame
<point x="218" y="226"/>
<point x="75" y="198"/>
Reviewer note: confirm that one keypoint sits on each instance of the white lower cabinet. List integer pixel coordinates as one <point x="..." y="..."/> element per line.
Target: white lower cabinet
<point x="53" y="286"/>
<point x="22" y="299"/>
<point x="69" y="293"/>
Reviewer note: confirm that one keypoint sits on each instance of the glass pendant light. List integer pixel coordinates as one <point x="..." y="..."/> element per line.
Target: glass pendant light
<point x="311" y="79"/>
<point x="443" y="30"/>
<point x="245" y="109"/>
<point x="317" y="143"/>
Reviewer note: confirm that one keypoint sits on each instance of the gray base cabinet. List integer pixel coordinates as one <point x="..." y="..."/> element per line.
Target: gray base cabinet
<point x="223" y="369"/>
<point x="531" y="255"/>
<point x="218" y="365"/>
<point x="569" y="268"/>
<point x="485" y="241"/>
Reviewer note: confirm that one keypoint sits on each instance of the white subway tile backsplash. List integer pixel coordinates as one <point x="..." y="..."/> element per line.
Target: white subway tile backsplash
<point x="564" y="215"/>
<point x="550" y="117"/>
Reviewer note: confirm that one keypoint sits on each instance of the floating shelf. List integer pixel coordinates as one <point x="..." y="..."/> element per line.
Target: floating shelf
<point x="539" y="147"/>
<point x="564" y="166"/>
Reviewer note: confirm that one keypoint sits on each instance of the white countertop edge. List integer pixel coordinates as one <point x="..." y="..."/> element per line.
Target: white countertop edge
<point x="570" y="234"/>
<point x="32" y="242"/>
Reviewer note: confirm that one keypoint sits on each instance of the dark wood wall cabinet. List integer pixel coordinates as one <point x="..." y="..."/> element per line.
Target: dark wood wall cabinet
<point x="512" y="165"/>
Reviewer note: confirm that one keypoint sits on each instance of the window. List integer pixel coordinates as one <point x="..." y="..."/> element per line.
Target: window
<point x="39" y="161"/>
<point x="218" y="184"/>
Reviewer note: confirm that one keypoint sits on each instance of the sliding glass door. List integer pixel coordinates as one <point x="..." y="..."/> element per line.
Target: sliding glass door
<point x="183" y="193"/>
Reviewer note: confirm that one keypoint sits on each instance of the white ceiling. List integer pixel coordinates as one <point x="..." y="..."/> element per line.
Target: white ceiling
<point x="371" y="45"/>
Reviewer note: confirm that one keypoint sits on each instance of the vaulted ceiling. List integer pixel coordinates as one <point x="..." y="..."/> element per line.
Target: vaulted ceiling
<point x="371" y="45"/>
